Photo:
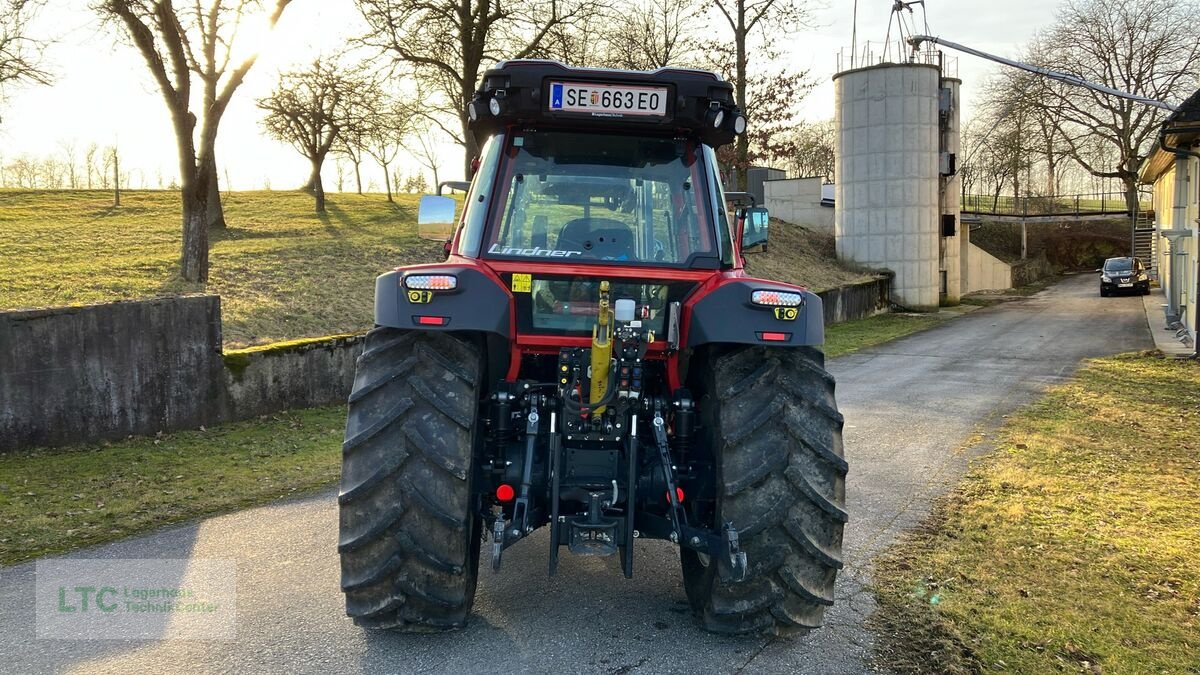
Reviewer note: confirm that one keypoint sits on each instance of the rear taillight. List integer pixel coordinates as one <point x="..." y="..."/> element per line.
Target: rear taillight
<point x="431" y="282"/>
<point x="777" y="298"/>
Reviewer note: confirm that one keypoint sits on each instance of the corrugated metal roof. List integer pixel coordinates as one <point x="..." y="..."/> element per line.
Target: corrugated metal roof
<point x="1188" y="111"/>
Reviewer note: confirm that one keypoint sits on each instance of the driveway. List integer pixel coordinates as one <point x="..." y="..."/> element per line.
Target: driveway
<point x="916" y="411"/>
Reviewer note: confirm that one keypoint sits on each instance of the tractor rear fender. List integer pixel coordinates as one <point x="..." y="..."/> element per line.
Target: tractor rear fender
<point x="728" y="314"/>
<point x="478" y="301"/>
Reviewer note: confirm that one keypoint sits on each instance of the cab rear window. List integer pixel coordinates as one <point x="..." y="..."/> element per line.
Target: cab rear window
<point x="593" y="198"/>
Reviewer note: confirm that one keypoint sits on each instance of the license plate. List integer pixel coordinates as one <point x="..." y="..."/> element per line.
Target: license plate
<point x="1129" y="285"/>
<point x="604" y="100"/>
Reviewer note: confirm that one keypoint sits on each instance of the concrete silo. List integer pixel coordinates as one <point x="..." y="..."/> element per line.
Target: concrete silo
<point x="894" y="167"/>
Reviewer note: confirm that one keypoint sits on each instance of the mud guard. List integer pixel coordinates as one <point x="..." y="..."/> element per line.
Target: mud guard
<point x="477" y="304"/>
<point x="727" y="315"/>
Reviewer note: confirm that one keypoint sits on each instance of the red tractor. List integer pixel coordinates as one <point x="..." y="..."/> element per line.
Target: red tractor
<point x="591" y="358"/>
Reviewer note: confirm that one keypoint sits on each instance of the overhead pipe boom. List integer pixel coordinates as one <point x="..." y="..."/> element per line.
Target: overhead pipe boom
<point x="916" y="41"/>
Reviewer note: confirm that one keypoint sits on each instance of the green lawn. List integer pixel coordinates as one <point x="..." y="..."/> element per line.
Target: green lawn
<point x="1075" y="547"/>
<point x="851" y="336"/>
<point x="54" y="500"/>
<point x="282" y="272"/>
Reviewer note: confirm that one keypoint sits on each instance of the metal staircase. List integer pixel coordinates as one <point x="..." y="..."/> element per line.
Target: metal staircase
<point x="1145" y="244"/>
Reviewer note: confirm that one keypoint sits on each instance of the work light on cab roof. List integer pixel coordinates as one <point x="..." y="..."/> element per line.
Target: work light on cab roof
<point x="550" y="94"/>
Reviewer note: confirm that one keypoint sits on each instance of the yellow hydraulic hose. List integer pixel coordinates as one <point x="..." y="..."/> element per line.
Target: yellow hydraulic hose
<point x="601" y="349"/>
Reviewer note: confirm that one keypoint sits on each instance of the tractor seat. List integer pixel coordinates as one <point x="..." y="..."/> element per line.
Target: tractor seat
<point x="602" y="238"/>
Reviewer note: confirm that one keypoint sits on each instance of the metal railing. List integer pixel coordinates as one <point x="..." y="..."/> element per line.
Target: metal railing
<point x="1090" y="204"/>
<point x="876" y="53"/>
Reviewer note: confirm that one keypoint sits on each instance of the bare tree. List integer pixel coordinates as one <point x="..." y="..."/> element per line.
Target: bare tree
<point x="21" y="55"/>
<point x="339" y="174"/>
<point x="106" y="166"/>
<point x="89" y="162"/>
<point x="350" y="146"/>
<point x="742" y="17"/>
<point x="1145" y="47"/>
<point x="194" y="44"/>
<point x="445" y="44"/>
<point x="310" y="109"/>
<point x="772" y="108"/>
<point x="68" y="150"/>
<point x="649" y="34"/>
<point x="421" y="144"/>
<point x="385" y="132"/>
<point x="814" y="151"/>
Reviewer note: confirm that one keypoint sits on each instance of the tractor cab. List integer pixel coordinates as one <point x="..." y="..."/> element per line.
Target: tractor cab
<point x="588" y="166"/>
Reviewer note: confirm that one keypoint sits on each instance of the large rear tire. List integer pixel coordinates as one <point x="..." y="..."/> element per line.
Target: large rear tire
<point x="773" y="424"/>
<point x="409" y="539"/>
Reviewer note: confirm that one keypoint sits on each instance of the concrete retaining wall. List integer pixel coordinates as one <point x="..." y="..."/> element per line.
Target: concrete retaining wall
<point x="299" y="374"/>
<point x="857" y="301"/>
<point x="798" y="201"/>
<point x="986" y="272"/>
<point x="77" y="374"/>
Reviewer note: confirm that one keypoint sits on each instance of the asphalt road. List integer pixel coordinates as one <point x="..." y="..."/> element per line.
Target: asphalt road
<point x="916" y="410"/>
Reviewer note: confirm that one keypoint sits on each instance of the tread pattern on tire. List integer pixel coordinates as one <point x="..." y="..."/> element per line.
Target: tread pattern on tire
<point x="408" y="540"/>
<point x="782" y="474"/>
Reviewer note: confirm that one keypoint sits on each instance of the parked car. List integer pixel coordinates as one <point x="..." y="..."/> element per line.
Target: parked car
<point x="1121" y="275"/>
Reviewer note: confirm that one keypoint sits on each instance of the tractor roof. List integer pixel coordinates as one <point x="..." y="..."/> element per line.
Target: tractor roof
<point x="545" y="94"/>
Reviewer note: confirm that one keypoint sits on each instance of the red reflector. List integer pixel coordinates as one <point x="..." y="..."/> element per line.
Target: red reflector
<point x="773" y="337"/>
<point x="678" y="495"/>
<point x="505" y="493"/>
<point x="431" y="320"/>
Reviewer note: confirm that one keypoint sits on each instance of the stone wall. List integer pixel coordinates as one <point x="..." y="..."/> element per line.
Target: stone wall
<point x="857" y="301"/>
<point x="76" y="374"/>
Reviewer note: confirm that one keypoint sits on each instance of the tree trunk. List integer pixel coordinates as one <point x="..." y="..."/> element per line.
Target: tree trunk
<point x="1129" y="178"/>
<point x="743" y="142"/>
<point x="194" y="261"/>
<point x="387" y="182"/>
<point x="315" y="185"/>
<point x="357" y="174"/>
<point x="116" y="179"/>
<point x="435" y="179"/>
<point x="471" y="149"/>
<point x="215" y="216"/>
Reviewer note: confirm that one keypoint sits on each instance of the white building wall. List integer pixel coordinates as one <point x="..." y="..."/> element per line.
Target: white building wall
<point x="986" y="272"/>
<point x="798" y="201"/>
<point x="951" y="187"/>
<point x="886" y="176"/>
<point x="1187" y="250"/>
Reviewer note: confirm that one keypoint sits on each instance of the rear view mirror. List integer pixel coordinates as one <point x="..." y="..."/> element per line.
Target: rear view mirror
<point x="754" y="228"/>
<point x="435" y="217"/>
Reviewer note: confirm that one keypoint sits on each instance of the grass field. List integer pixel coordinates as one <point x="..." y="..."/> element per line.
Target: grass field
<point x="1075" y="547"/>
<point x="54" y="500"/>
<point x="798" y="255"/>
<point x="851" y="336"/>
<point x="282" y="272"/>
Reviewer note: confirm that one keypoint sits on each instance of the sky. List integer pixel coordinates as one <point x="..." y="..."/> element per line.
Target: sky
<point x="103" y="92"/>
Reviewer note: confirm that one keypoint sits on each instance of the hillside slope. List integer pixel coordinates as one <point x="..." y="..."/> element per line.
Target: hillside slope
<point x="282" y="272"/>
